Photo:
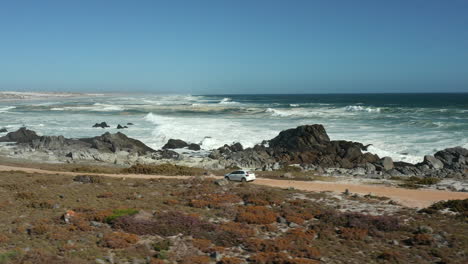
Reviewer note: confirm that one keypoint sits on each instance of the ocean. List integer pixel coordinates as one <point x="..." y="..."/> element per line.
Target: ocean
<point x="403" y="126"/>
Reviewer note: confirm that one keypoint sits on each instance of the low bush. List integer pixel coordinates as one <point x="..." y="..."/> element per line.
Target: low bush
<point x="459" y="206"/>
<point x="416" y="182"/>
<point x="353" y="233"/>
<point x="119" y="240"/>
<point x="164" y="169"/>
<point x="215" y="201"/>
<point x="7" y="256"/>
<point x="422" y="239"/>
<point x="390" y="257"/>
<point x="196" y="260"/>
<point x="269" y="258"/>
<point x="119" y="213"/>
<point x="362" y="221"/>
<point x="231" y="260"/>
<point x="256" y="215"/>
<point x="202" y="244"/>
<point x="168" y="224"/>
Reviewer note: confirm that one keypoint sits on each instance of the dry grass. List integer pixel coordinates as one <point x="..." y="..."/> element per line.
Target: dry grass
<point x="143" y="219"/>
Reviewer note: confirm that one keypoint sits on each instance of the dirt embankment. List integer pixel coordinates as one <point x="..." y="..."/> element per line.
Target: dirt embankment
<point x="411" y="198"/>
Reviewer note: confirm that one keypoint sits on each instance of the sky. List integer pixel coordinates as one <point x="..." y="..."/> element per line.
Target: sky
<point x="227" y="47"/>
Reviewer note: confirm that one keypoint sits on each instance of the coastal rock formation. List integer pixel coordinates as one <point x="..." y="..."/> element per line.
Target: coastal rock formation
<point x="194" y="147"/>
<point x="101" y="125"/>
<point x="306" y="147"/>
<point x="22" y="135"/>
<point x="121" y="127"/>
<point x="107" y="147"/>
<point x="175" y="144"/>
<point x="303" y="145"/>
<point x="3" y="130"/>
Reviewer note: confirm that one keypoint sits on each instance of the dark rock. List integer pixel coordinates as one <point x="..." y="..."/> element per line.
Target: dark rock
<point x="22" y="135"/>
<point x="194" y="147"/>
<point x="237" y="147"/>
<point x="305" y="145"/>
<point x="453" y="158"/>
<point x="301" y="138"/>
<point x="108" y="142"/>
<point x="175" y="144"/>
<point x="121" y="127"/>
<point x="101" y="125"/>
<point x="3" y="130"/>
<point x="130" y="124"/>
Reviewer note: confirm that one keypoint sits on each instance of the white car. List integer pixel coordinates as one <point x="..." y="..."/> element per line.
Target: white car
<point x="240" y="175"/>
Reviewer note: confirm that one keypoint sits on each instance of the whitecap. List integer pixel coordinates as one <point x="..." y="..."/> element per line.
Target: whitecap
<point x="5" y="109"/>
<point x="227" y="101"/>
<point x="359" y="108"/>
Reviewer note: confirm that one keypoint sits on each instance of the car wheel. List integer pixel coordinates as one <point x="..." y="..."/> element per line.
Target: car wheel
<point x="227" y="178"/>
<point x="243" y="180"/>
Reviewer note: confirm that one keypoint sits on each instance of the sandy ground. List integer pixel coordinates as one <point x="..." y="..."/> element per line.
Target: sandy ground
<point x="411" y="198"/>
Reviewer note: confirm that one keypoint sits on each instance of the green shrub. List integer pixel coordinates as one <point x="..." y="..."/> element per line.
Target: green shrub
<point x="7" y="256"/>
<point x="119" y="213"/>
<point x="458" y="206"/>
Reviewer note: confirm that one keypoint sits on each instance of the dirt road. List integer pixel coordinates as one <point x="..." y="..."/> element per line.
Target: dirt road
<point x="407" y="197"/>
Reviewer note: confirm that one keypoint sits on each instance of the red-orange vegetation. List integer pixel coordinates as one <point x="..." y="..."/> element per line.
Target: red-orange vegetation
<point x="202" y="244"/>
<point x="353" y="233"/>
<point x="256" y="215"/>
<point x="119" y="240"/>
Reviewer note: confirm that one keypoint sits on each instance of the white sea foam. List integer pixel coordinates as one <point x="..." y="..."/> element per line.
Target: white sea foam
<point x="97" y="107"/>
<point x="359" y="108"/>
<point x="227" y="101"/>
<point x="294" y="105"/>
<point x="211" y="133"/>
<point x="6" y="108"/>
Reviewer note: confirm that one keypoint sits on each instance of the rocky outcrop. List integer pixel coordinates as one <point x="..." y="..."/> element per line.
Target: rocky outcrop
<point x="194" y="147"/>
<point x="101" y="125"/>
<point x="453" y="158"/>
<point x="121" y="127"/>
<point x="22" y="135"/>
<point x="175" y="144"/>
<point x="3" y="130"/>
<point x="108" y="142"/>
<point x="305" y="145"/>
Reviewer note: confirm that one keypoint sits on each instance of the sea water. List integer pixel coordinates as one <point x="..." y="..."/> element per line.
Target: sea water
<point x="403" y="126"/>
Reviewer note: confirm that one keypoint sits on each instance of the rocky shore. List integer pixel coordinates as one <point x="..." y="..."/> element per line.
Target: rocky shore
<point x="305" y="147"/>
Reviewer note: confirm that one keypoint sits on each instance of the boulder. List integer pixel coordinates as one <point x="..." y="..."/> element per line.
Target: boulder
<point x="387" y="163"/>
<point x="237" y="147"/>
<point x="86" y="179"/>
<point x="194" y="147"/>
<point x="3" y="130"/>
<point x="121" y="127"/>
<point x="432" y="162"/>
<point x="130" y="124"/>
<point x="108" y="142"/>
<point x="221" y="182"/>
<point x="175" y="144"/>
<point x="165" y="154"/>
<point x="101" y="125"/>
<point x="453" y="158"/>
<point x="300" y="138"/>
<point x="22" y="135"/>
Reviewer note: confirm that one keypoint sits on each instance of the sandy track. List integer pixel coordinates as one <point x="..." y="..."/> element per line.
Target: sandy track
<point x="407" y="197"/>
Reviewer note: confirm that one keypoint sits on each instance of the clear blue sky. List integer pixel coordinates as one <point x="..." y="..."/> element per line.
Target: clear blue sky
<point x="241" y="46"/>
